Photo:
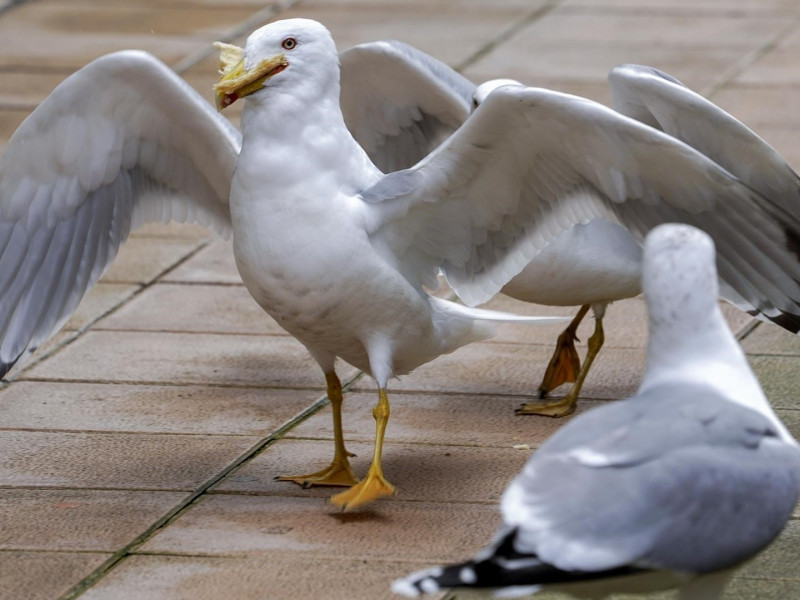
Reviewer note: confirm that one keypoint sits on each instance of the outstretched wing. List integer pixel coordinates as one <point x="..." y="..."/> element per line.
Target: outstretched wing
<point x="400" y="103"/>
<point x="653" y="97"/>
<point x="121" y="142"/>
<point x="531" y="163"/>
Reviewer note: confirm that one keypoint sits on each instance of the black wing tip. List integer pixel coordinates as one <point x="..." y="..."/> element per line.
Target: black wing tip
<point x="6" y="367"/>
<point x="786" y="320"/>
<point x="506" y="567"/>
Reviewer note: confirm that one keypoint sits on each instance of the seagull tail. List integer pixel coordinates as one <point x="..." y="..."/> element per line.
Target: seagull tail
<point x="501" y="569"/>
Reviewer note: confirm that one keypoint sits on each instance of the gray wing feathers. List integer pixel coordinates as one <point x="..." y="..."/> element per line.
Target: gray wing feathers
<point x="665" y="473"/>
<point x="121" y="142"/>
<point x="661" y="101"/>
<point x="400" y="103"/>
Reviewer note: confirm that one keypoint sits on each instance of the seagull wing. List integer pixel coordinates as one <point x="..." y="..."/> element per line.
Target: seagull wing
<point x="121" y="142"/>
<point x="400" y="103"/>
<point x="531" y="163"/>
<point x="639" y="484"/>
<point x="661" y="101"/>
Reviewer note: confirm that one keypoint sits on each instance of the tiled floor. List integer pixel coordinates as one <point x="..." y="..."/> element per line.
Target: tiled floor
<point x="138" y="449"/>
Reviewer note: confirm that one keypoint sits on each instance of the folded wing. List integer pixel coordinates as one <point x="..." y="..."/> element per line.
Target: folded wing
<point x="400" y="103"/>
<point x="121" y="142"/>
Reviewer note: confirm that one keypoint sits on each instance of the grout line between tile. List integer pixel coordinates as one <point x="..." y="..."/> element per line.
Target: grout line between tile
<point x="198" y="493"/>
<point x="508" y="33"/>
<point x="249" y="24"/>
<point x="749" y="59"/>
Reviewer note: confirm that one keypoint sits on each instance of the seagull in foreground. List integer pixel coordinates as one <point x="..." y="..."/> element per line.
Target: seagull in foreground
<point x="597" y="260"/>
<point x="677" y="486"/>
<point x="338" y="253"/>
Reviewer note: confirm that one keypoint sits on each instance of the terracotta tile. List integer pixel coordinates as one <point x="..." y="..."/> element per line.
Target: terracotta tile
<point x="119" y="460"/>
<point x="196" y="308"/>
<point x="44" y="575"/>
<point x="389" y="530"/>
<point x="213" y="264"/>
<point x="102" y="298"/>
<point x="210" y="578"/>
<point x="150" y="409"/>
<point x="184" y="358"/>
<point x="485" y="420"/>
<point x="78" y="519"/>
<point x="421" y="472"/>
<point x="488" y="368"/>
<point x="32" y="32"/>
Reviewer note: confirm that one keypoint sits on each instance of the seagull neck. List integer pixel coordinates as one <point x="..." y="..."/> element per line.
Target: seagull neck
<point x="705" y="352"/>
<point x="298" y="143"/>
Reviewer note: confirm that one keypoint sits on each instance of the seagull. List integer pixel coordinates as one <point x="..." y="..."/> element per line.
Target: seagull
<point x="124" y="141"/>
<point x="337" y="252"/>
<point x="598" y="260"/>
<point x="677" y="486"/>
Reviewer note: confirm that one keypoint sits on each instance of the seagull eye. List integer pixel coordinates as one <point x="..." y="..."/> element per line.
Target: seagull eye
<point x="289" y="43"/>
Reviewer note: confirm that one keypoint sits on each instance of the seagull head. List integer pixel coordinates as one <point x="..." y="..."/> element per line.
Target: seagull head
<point x="679" y="275"/>
<point x="487" y="87"/>
<point x="286" y="53"/>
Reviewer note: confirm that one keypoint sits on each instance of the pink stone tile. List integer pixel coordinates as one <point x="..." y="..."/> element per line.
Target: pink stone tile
<point x="150" y="409"/>
<point x="119" y="460"/>
<point x="44" y="575"/>
<point x="142" y="260"/>
<point x="195" y="308"/>
<point x="423" y="472"/>
<point x="210" y="578"/>
<point x="212" y="264"/>
<point x="772" y="106"/>
<point x="462" y="420"/>
<point x="78" y="519"/>
<point x="184" y="358"/>
<point x="101" y="299"/>
<point x="387" y="530"/>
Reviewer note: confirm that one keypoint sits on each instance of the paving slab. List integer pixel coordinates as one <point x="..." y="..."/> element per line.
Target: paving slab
<point x="761" y="106"/>
<point x="95" y="520"/>
<point x="185" y="358"/>
<point x="213" y="264"/>
<point x="142" y="260"/>
<point x="421" y="472"/>
<point x="210" y="578"/>
<point x="44" y="575"/>
<point x="311" y="527"/>
<point x="484" y="420"/>
<point x="779" y="378"/>
<point x="150" y="408"/>
<point x="101" y="299"/>
<point x="516" y="369"/>
<point x="115" y="460"/>
<point x="194" y="308"/>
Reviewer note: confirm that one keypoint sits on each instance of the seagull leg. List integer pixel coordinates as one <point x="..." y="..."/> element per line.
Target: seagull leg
<point x="566" y="405"/>
<point x="339" y="472"/>
<point x="565" y="363"/>
<point x="374" y="485"/>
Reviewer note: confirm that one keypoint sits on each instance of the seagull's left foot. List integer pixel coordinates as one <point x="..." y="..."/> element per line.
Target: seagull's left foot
<point x="551" y="408"/>
<point x="371" y="488"/>
<point x="338" y="473"/>
<point x="565" y="365"/>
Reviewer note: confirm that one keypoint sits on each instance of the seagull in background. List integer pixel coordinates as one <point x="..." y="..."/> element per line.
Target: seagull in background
<point x="677" y="486"/>
<point x="337" y="252"/>
<point x="598" y="259"/>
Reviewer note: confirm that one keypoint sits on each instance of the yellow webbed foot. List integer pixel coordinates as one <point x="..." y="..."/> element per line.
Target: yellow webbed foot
<point x="337" y="474"/>
<point x="373" y="487"/>
<point x="553" y="408"/>
<point x="565" y="365"/>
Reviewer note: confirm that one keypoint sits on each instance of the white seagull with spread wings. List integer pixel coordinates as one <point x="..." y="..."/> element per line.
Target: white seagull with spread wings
<point x="336" y="251"/>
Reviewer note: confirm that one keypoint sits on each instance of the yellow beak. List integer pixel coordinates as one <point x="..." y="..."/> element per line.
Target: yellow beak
<point x="236" y="81"/>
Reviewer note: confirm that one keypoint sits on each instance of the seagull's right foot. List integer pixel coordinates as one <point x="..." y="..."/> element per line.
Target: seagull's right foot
<point x="553" y="408"/>
<point x="337" y="474"/>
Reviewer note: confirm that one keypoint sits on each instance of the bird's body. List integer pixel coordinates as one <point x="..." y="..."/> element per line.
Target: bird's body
<point x="677" y="486"/>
